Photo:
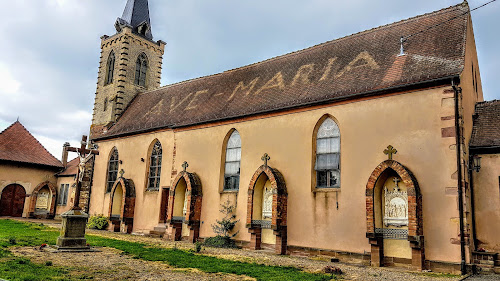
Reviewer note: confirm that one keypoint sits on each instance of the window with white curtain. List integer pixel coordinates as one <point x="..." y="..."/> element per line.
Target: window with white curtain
<point x="327" y="164"/>
<point x="232" y="165"/>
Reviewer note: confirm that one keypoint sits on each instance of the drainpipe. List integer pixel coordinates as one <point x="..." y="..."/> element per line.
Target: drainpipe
<point x="458" y="138"/>
<point x="472" y="206"/>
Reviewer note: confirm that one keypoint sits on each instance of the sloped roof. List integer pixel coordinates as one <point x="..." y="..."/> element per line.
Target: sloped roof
<point x="17" y="144"/>
<point x="486" y="129"/>
<point x="345" y="68"/>
<point x="71" y="168"/>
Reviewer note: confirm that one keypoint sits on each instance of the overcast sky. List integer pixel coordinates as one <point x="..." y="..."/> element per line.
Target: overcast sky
<point x="49" y="49"/>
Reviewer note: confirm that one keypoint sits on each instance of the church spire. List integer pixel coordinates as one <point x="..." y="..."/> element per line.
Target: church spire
<point x="136" y="16"/>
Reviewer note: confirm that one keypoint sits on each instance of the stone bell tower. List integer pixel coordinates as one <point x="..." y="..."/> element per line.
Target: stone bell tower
<point x="130" y="63"/>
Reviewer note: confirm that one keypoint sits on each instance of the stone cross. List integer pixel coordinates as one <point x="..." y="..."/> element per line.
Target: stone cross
<point x="185" y="165"/>
<point x="265" y="158"/>
<point x="84" y="154"/>
<point x="389" y="151"/>
<point x="121" y="173"/>
<point x="396" y="180"/>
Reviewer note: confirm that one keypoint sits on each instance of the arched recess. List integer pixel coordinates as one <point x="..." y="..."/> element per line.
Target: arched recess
<point x="230" y="180"/>
<point x="279" y="209"/>
<point x="51" y="200"/>
<point x="121" y="214"/>
<point x="415" y="223"/>
<point x="188" y="186"/>
<point x="12" y="200"/>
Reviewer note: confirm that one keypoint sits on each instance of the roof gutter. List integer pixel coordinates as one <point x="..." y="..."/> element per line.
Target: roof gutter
<point x="409" y="86"/>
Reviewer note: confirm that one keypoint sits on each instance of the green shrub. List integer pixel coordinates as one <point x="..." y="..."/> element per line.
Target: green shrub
<point x="220" y="241"/>
<point x="197" y="246"/>
<point x="98" y="222"/>
<point x="48" y="263"/>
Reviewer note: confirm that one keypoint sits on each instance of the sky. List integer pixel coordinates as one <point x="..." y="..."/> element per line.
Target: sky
<point x="49" y="49"/>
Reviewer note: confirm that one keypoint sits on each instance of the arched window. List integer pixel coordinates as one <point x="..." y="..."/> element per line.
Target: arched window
<point x="232" y="166"/>
<point x="105" y="103"/>
<point x="110" y="69"/>
<point x="141" y="68"/>
<point x="155" y="167"/>
<point x="328" y="155"/>
<point x="112" y="169"/>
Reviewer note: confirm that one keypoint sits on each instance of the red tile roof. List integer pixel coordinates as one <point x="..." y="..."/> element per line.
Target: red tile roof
<point x="71" y="169"/>
<point x="345" y="68"/>
<point x="18" y="145"/>
<point x="486" y="130"/>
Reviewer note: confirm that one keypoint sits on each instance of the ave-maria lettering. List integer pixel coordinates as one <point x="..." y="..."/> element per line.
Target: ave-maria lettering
<point x="259" y="86"/>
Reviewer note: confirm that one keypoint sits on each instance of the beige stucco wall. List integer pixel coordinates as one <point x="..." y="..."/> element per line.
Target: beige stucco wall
<point x="27" y="176"/>
<point x="410" y="122"/>
<point x="487" y="202"/>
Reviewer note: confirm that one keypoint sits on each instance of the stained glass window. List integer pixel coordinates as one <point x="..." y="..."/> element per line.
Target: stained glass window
<point x="110" y="69"/>
<point x="328" y="155"/>
<point x="141" y="68"/>
<point x="232" y="165"/>
<point x="155" y="167"/>
<point x="112" y="169"/>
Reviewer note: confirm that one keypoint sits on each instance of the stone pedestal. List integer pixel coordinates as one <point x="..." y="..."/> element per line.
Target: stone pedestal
<point x="73" y="231"/>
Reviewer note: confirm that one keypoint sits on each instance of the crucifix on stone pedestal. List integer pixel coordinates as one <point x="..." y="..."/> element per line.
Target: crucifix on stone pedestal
<point x="74" y="221"/>
<point x="84" y="155"/>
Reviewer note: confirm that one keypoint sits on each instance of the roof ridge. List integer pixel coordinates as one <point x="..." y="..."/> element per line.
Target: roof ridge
<point x="308" y="48"/>
<point x="10" y="126"/>
<point x="487" y="101"/>
<point x="59" y="161"/>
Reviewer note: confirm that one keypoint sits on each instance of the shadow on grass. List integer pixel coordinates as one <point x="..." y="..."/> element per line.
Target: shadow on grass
<point x="29" y="234"/>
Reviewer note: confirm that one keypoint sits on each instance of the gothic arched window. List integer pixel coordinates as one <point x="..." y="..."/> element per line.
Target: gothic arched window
<point x="110" y="69"/>
<point x="327" y="165"/>
<point x="112" y="169"/>
<point x="155" y="167"/>
<point x="141" y="68"/>
<point x="232" y="165"/>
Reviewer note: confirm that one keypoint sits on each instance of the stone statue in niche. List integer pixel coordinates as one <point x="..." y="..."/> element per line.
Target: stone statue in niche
<point x="396" y="206"/>
<point x="184" y="209"/>
<point x="267" y="203"/>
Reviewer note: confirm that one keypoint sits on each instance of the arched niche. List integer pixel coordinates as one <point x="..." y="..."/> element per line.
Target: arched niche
<point x="43" y="201"/>
<point x="375" y="190"/>
<point x="184" y="208"/>
<point x="122" y="205"/>
<point x="267" y="183"/>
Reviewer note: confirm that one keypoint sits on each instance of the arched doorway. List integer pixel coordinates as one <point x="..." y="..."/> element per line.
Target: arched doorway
<point x="267" y="210"/>
<point x="184" y="209"/>
<point x="12" y="201"/>
<point x="122" y="206"/>
<point x="394" y="216"/>
<point x="43" y="201"/>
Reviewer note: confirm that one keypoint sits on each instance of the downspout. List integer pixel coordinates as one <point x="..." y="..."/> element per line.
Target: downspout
<point x="458" y="138"/>
<point x="473" y="211"/>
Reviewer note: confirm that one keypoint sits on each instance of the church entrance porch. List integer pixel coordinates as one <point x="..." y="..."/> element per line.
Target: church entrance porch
<point x="267" y="210"/>
<point x="394" y="218"/>
<point x="12" y="201"/>
<point x="184" y="209"/>
<point x="43" y="201"/>
<point x="122" y="205"/>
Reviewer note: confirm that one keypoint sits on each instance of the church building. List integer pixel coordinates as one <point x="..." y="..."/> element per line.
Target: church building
<point x="365" y="148"/>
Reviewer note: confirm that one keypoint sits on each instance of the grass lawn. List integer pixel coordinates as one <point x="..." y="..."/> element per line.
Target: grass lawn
<point x="13" y="233"/>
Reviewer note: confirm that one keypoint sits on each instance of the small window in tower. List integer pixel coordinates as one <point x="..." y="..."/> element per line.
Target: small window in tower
<point x="141" y="68"/>
<point x="110" y="69"/>
<point x="105" y="104"/>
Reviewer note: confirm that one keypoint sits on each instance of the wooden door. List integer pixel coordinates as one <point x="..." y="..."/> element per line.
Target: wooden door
<point x="164" y="204"/>
<point x="12" y="201"/>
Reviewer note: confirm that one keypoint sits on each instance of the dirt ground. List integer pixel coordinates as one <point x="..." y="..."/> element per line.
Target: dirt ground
<point x="110" y="264"/>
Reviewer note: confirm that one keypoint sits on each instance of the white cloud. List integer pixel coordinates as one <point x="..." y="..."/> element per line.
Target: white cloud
<point x="8" y="84"/>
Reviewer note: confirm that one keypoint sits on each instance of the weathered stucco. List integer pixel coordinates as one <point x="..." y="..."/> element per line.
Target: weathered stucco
<point x="486" y="199"/>
<point x="325" y="219"/>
